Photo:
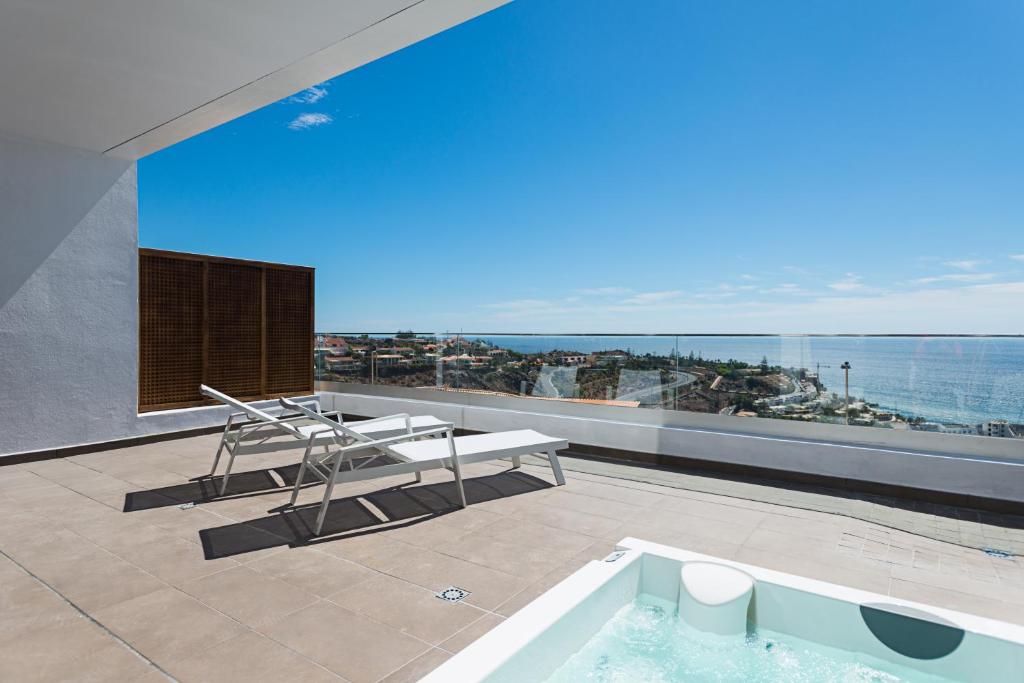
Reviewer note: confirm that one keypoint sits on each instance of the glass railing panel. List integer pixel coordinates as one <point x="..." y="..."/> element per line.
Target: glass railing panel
<point x="956" y="385"/>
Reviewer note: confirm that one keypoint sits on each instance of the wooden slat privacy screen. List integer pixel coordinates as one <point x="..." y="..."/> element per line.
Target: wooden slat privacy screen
<point x="242" y="327"/>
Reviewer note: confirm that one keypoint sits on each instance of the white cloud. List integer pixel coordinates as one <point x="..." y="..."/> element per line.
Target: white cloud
<point x="785" y="288"/>
<point x="963" y="265"/>
<point x="518" y="304"/>
<point x="604" y="291"/>
<point x="535" y="309"/>
<point x="646" y="298"/>
<point x="308" y="120"/>
<point x="310" y="95"/>
<point x="956" y="277"/>
<point x="1017" y="257"/>
<point x="957" y="308"/>
<point x="970" y="309"/>
<point x="850" y="283"/>
<point x="747" y="276"/>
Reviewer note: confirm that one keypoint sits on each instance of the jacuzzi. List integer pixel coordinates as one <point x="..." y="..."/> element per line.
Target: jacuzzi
<point x="651" y="612"/>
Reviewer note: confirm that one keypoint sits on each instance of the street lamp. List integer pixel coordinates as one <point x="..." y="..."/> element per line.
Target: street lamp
<point x="845" y="367"/>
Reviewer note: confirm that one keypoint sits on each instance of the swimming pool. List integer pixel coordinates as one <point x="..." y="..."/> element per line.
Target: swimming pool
<point x="635" y="616"/>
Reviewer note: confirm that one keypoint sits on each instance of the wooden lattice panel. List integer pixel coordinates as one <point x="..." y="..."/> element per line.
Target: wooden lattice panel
<point x="234" y="329"/>
<point x="170" y="331"/>
<point x="243" y="327"/>
<point x="289" y="331"/>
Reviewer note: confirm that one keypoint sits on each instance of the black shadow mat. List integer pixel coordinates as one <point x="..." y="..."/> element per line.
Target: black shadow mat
<point x="294" y="526"/>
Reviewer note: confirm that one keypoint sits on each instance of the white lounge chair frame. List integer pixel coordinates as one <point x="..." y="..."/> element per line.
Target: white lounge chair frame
<point x="262" y="435"/>
<point x="350" y="445"/>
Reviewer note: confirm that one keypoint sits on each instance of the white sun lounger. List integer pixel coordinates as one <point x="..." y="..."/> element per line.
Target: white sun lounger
<point x="410" y="453"/>
<point x="268" y="433"/>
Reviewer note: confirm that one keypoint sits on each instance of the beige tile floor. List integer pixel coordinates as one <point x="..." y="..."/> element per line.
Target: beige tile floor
<point x="104" y="576"/>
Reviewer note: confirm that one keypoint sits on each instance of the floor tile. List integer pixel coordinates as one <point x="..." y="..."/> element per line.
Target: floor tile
<point x="407" y="607"/>
<point x="313" y="571"/>
<point x="351" y="645"/>
<point x="168" y="624"/>
<point x="253" y="598"/>
<point x="250" y="658"/>
<point x="471" y="633"/>
<point x="419" y="667"/>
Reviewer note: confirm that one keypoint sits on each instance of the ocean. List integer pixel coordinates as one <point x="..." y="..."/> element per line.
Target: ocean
<point x="946" y="379"/>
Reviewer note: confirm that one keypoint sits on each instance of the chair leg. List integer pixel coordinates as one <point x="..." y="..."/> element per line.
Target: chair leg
<point x="227" y="473"/>
<point x="220" y="449"/>
<point x="323" y="507"/>
<point x="458" y="482"/>
<point x="453" y="458"/>
<point x="556" y="468"/>
<point x="329" y="489"/>
<point x="300" y="476"/>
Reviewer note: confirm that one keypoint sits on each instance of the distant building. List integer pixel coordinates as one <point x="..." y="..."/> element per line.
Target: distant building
<point x="342" y="363"/>
<point x="947" y="428"/>
<point x="608" y="357"/>
<point x="572" y="359"/>
<point x="997" y="428"/>
<point x="464" y="359"/>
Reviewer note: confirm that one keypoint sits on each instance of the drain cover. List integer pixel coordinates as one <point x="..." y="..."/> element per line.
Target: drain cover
<point x="187" y="506"/>
<point x="452" y="594"/>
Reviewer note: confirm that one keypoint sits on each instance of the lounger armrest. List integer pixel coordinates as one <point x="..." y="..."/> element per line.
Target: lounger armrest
<point x="314" y="402"/>
<point x="397" y="416"/>
<point x="378" y="443"/>
<point x="295" y="418"/>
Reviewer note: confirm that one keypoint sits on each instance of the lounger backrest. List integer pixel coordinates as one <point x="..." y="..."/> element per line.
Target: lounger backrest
<point x="338" y="428"/>
<point x="249" y="410"/>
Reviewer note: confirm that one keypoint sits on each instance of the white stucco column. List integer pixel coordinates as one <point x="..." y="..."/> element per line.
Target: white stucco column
<point x="68" y="296"/>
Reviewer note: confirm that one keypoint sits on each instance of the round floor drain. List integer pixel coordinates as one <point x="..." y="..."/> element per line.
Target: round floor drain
<point x="452" y="594"/>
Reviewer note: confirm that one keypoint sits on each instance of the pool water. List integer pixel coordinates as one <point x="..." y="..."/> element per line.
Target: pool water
<point x="645" y="641"/>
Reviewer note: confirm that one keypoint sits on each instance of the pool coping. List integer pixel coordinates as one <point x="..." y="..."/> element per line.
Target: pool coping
<point x="491" y="651"/>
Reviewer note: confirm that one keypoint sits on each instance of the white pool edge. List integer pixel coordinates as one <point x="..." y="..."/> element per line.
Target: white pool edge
<point x="490" y="652"/>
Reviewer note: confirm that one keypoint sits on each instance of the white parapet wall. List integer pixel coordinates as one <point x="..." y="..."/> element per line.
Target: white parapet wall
<point x="971" y="466"/>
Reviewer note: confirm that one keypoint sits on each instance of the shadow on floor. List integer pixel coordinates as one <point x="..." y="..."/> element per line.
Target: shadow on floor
<point x="204" y="489"/>
<point x="351" y="517"/>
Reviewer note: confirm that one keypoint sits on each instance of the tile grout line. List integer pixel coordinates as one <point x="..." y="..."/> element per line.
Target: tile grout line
<point x="167" y="584"/>
<point x="124" y="643"/>
<point x="405" y="664"/>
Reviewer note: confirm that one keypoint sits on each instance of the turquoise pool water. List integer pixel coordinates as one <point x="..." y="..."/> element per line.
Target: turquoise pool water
<point x="645" y="641"/>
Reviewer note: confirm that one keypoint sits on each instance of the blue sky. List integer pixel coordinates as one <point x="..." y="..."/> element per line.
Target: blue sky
<point x="673" y="166"/>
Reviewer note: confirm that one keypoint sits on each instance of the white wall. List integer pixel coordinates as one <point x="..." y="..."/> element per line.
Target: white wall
<point x="69" y="302"/>
<point x="68" y="296"/>
<point x="632" y="430"/>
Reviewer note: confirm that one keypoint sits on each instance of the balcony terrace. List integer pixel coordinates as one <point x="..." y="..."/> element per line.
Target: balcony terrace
<point x="110" y="573"/>
<point x="119" y="562"/>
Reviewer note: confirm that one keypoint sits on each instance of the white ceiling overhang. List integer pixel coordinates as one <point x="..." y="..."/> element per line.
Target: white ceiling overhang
<point x="130" y="77"/>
